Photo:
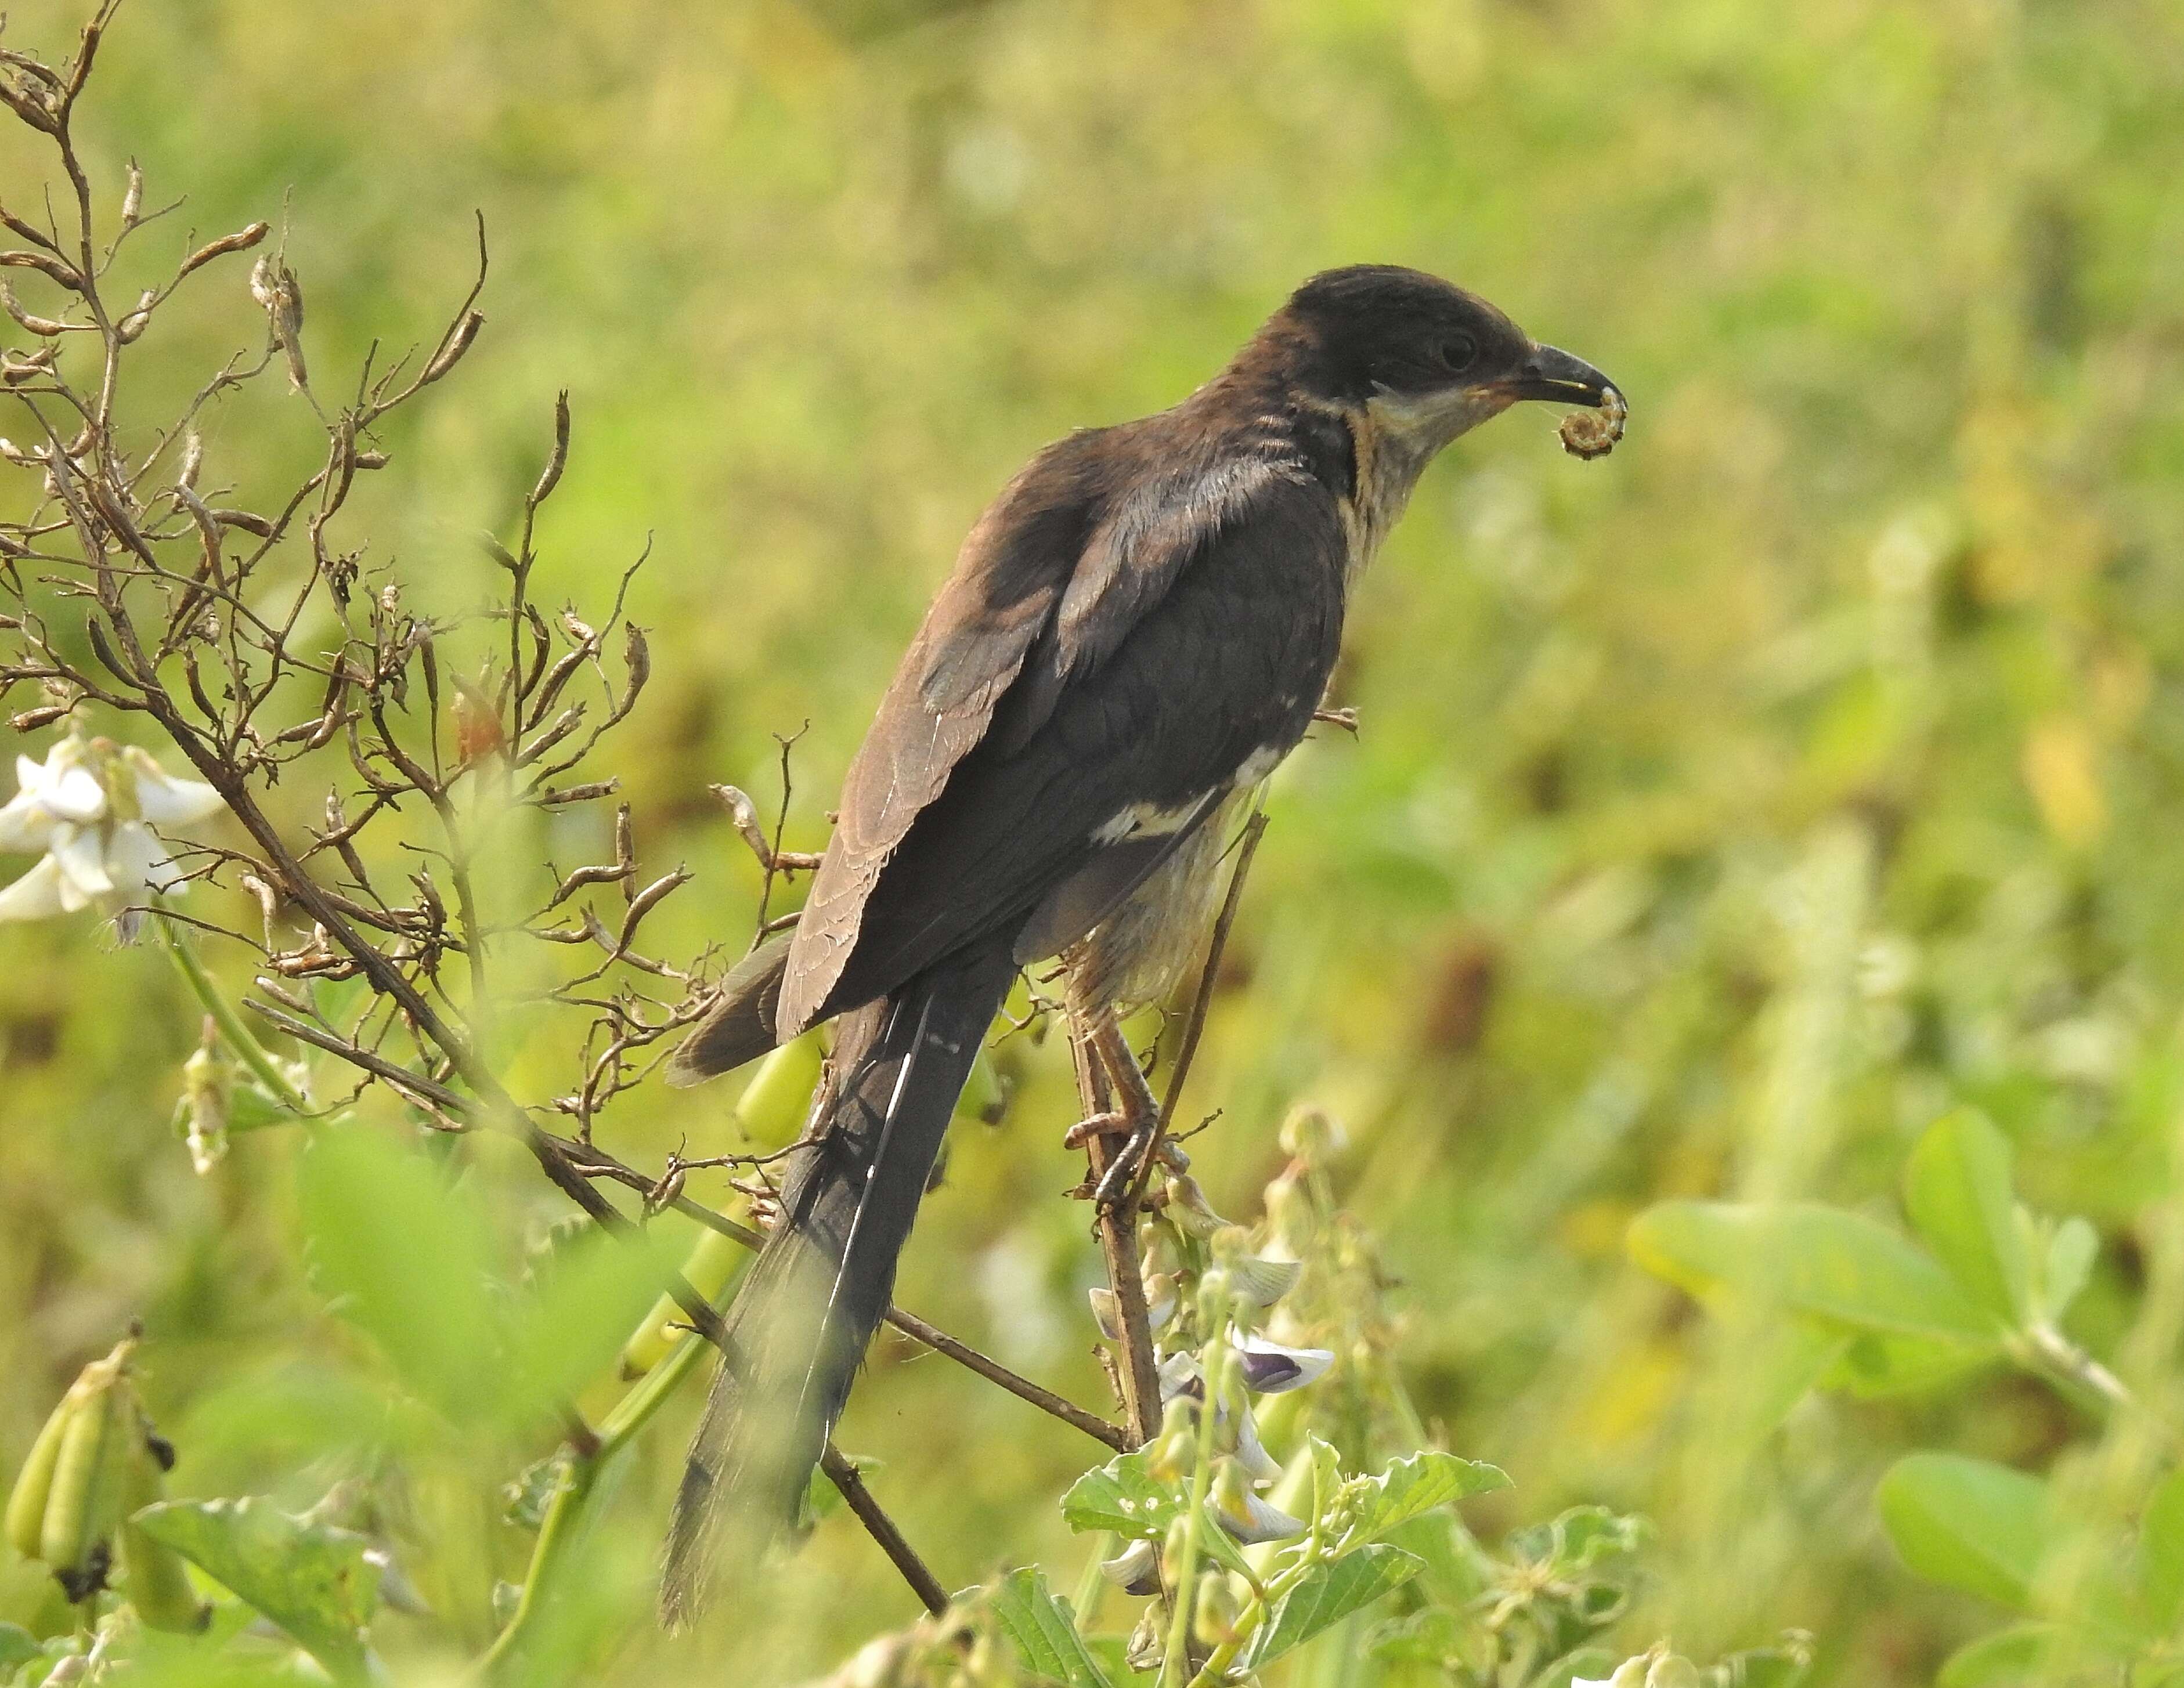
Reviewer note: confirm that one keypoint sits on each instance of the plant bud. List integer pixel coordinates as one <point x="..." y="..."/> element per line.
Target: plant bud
<point x="1244" y="1514"/>
<point x="1189" y="1209"/>
<point x="1672" y="1670"/>
<point x="1292" y="1219"/>
<point x="1173" y="1450"/>
<point x="1214" y="1610"/>
<point x="208" y="1082"/>
<point x="1171" y="1551"/>
<point x="1311" y="1135"/>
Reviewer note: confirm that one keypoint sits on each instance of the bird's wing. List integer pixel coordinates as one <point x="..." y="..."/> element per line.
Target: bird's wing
<point x="1089" y="674"/>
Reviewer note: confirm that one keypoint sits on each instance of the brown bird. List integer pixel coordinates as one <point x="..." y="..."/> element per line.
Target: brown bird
<point x="1135" y="634"/>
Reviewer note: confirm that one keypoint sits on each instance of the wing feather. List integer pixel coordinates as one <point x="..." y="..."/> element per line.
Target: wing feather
<point x="1086" y="656"/>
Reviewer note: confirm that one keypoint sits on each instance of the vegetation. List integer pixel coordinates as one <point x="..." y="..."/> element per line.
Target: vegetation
<point x="1737" y="944"/>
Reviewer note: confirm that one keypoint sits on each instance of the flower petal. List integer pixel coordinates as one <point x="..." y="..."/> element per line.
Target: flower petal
<point x="1252" y="1519"/>
<point x="1136" y="1568"/>
<point x="137" y="862"/>
<point x="36" y="895"/>
<point x="1262" y="1281"/>
<point x="1180" y="1375"/>
<point x="1269" y="1369"/>
<point x="72" y="793"/>
<point x="1251" y="1453"/>
<point x="25" y="823"/>
<point x="80" y="853"/>
<point x="162" y="797"/>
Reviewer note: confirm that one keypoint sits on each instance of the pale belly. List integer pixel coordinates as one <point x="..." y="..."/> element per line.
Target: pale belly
<point x="1142" y="951"/>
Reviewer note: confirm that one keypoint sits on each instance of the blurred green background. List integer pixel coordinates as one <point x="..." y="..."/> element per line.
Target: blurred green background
<point x="1722" y="811"/>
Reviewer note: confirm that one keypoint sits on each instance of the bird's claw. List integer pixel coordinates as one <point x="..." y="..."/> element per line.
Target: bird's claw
<point x="1097" y="1125"/>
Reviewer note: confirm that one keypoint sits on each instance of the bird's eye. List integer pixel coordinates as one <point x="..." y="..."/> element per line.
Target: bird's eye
<point x="1458" y="352"/>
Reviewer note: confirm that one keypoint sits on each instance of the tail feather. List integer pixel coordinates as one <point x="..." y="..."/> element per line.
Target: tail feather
<point x="800" y="1324"/>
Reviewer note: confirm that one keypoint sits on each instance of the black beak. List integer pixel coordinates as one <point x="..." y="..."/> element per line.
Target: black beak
<point x="1552" y="374"/>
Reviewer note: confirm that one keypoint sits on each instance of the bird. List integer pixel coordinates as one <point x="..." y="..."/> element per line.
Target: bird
<point x="1135" y="634"/>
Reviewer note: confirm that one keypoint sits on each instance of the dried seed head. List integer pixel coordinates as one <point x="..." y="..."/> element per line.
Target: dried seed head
<point x="274" y="285"/>
<point x="44" y="326"/>
<point x="453" y="348"/>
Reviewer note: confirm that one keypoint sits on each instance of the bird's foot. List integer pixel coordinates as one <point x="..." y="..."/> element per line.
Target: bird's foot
<point x="1097" y="1125"/>
<point x="1120" y="1175"/>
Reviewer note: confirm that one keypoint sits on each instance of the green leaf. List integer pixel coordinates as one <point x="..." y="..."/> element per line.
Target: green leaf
<point x="252" y="1107"/>
<point x="1819" y="1261"/>
<point x="1044" y="1630"/>
<point x="1956" y="1190"/>
<point x="18" y="1645"/>
<point x="310" y="1578"/>
<point x="2069" y="1264"/>
<point x="1781" y="1666"/>
<point x="1417" y="1485"/>
<point x="1873" y="1365"/>
<point x="567" y="1328"/>
<point x="408" y="1260"/>
<point x="1121" y="1495"/>
<point x="1572" y="1544"/>
<point x="1330" y="1593"/>
<point x="2160" y="1557"/>
<point x="2004" y="1659"/>
<point x="1432" y="1636"/>
<point x="1967" y="1522"/>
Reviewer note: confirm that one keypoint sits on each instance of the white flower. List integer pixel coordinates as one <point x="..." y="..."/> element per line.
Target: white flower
<point x="1246" y="1516"/>
<point x="1270" y="1368"/>
<point x="85" y="807"/>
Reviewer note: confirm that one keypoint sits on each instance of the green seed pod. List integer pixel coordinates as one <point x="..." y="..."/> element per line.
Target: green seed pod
<point x="26" y="1503"/>
<point x="152" y="1574"/>
<point x="84" y="1504"/>
<point x="716" y="1263"/>
<point x="773" y="1105"/>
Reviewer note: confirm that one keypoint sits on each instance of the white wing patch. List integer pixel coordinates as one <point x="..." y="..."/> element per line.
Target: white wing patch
<point x="1258" y="764"/>
<point x="1144" y="821"/>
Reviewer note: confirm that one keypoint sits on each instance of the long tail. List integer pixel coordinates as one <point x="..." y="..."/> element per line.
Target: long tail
<point x="800" y="1324"/>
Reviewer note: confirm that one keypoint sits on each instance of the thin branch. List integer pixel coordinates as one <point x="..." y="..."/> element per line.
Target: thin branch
<point x="1247" y="846"/>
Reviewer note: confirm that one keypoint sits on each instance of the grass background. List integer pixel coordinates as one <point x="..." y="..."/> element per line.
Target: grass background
<point x="1722" y="811"/>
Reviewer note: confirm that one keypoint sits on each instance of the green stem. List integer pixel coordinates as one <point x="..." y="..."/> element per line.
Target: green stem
<point x="1092" y="1586"/>
<point x="2044" y="1351"/>
<point x="559" y="1528"/>
<point x="1215" y="1372"/>
<point x="1253" y="1615"/>
<point x="233" y="1033"/>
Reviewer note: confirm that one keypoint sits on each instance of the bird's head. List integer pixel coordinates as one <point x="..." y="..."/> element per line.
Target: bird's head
<point x="1425" y="361"/>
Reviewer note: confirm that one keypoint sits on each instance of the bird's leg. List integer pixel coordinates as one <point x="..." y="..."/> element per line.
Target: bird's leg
<point x="1137" y="1110"/>
<point x="1138" y="1375"/>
